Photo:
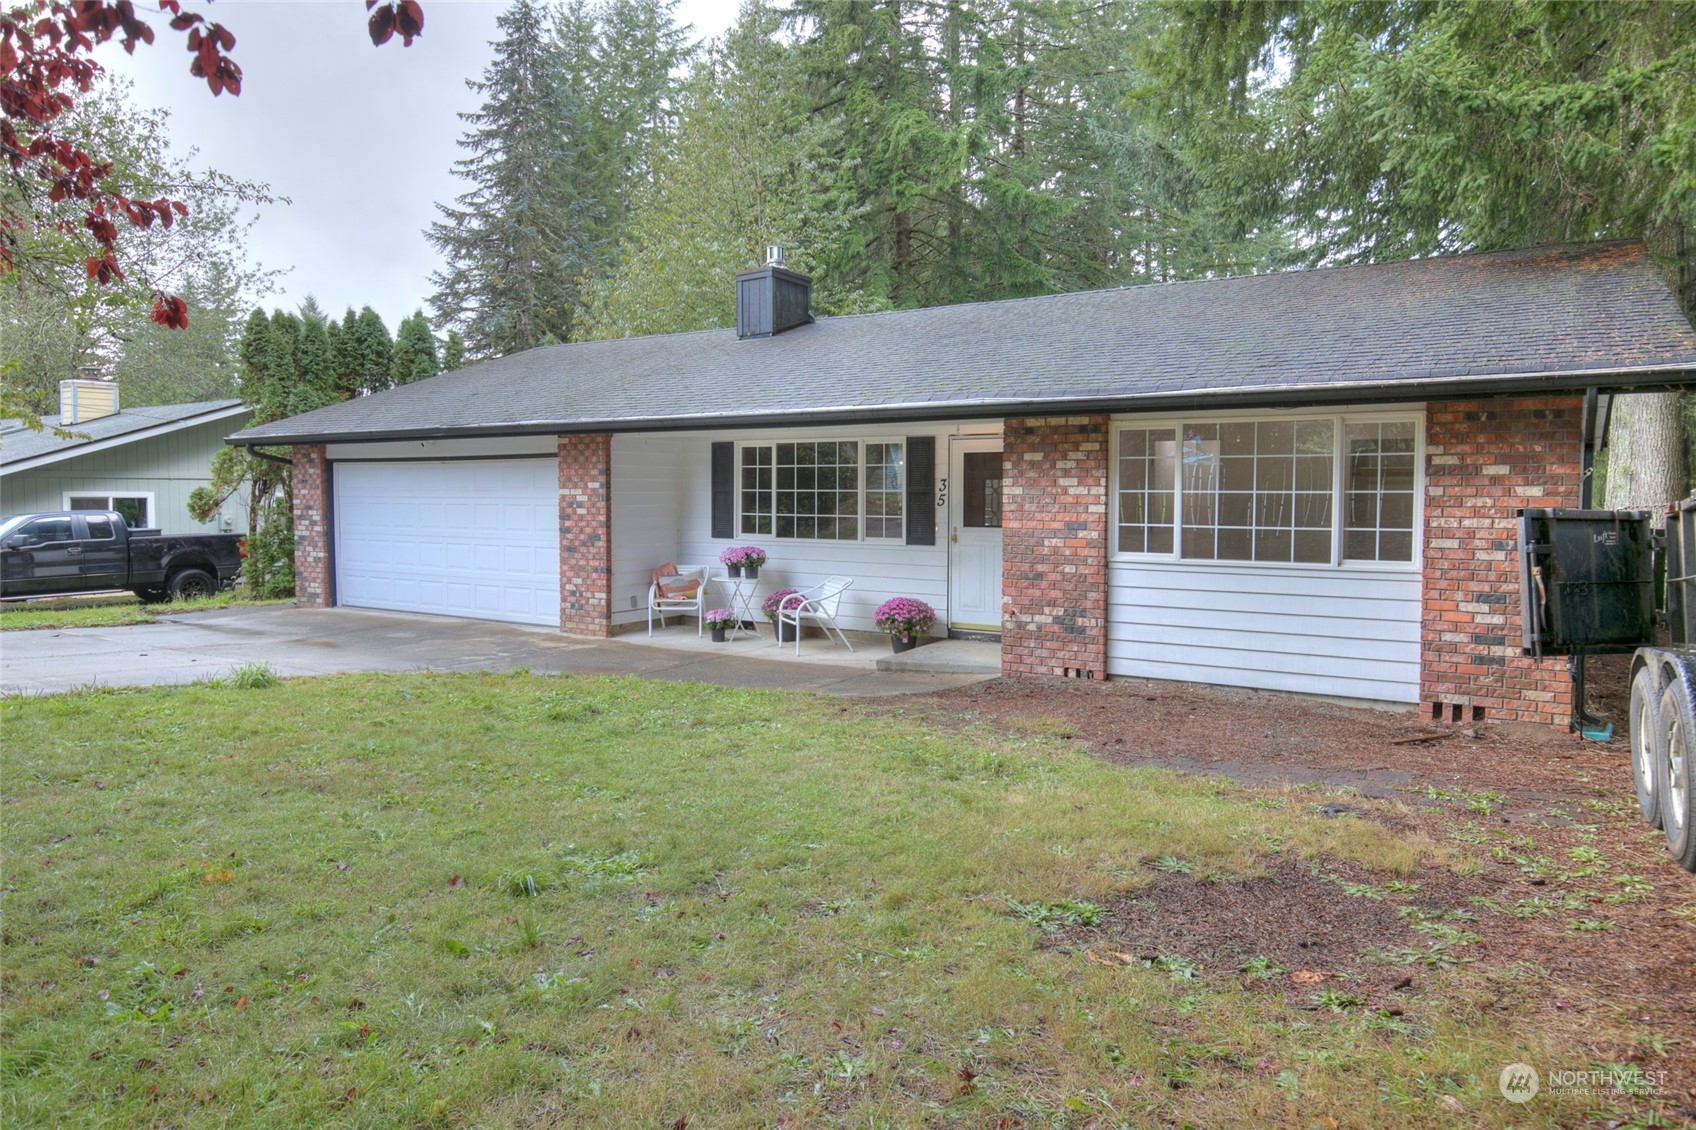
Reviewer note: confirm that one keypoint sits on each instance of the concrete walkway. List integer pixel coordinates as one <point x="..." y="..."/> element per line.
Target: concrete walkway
<point x="297" y="641"/>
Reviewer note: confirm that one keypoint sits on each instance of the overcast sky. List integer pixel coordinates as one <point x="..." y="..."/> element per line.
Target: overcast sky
<point x="361" y="139"/>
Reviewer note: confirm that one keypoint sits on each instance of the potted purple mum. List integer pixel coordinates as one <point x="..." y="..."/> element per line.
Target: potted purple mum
<point x="743" y="560"/>
<point x="906" y="619"/>
<point x="720" y="621"/>
<point x="785" y="632"/>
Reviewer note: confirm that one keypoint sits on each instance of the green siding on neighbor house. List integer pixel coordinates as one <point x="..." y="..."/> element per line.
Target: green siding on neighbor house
<point x="167" y="466"/>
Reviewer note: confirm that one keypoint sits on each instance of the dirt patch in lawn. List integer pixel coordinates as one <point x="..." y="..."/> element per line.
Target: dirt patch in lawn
<point x="1560" y="907"/>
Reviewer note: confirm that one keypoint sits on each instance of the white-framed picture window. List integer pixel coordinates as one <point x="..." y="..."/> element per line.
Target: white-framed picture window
<point x="1269" y="489"/>
<point x="822" y="489"/>
<point x="135" y="506"/>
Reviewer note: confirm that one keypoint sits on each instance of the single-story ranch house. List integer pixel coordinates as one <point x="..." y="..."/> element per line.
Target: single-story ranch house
<point x="1301" y="481"/>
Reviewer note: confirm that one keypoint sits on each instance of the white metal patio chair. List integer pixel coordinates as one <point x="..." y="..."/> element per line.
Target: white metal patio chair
<point x="675" y="591"/>
<point x="818" y="605"/>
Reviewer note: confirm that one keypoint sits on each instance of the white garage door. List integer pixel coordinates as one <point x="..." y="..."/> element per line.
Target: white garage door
<point x="477" y="539"/>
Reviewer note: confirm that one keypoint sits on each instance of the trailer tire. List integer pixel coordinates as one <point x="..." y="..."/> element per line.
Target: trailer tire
<point x="1644" y="718"/>
<point x="1675" y="776"/>
<point x="192" y="583"/>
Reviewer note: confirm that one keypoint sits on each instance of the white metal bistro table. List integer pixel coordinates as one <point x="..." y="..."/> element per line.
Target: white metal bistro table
<point x="739" y="594"/>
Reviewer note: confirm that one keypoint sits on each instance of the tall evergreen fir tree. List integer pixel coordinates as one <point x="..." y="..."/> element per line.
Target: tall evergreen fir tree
<point x="637" y="48"/>
<point x="316" y="386"/>
<point x="414" y="352"/>
<point x="344" y="356"/>
<point x="372" y="349"/>
<point x="519" y="240"/>
<point x="453" y="352"/>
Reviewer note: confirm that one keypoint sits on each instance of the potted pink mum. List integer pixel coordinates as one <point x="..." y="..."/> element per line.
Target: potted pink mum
<point x="906" y="619"/>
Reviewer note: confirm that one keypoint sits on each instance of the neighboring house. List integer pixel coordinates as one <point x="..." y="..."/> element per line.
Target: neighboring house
<point x="1302" y="481"/>
<point x="141" y="462"/>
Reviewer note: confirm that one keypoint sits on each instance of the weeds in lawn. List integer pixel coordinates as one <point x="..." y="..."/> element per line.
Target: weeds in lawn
<point x="251" y="676"/>
<point x="1262" y="968"/>
<point x="1052" y="917"/>
<point x="1172" y="865"/>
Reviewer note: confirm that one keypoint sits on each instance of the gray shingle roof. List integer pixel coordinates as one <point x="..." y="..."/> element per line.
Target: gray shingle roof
<point x="18" y="443"/>
<point x="1541" y="318"/>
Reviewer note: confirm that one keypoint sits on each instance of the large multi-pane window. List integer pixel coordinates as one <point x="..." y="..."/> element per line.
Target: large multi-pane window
<point x="1269" y="490"/>
<point x="821" y="489"/>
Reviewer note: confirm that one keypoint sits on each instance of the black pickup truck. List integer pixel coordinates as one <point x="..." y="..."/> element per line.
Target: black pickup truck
<point x="75" y="551"/>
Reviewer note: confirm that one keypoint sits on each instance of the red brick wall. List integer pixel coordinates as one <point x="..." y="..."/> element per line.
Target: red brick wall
<point x="1483" y="460"/>
<point x="585" y="535"/>
<point x="1054" y="547"/>
<point x="311" y="527"/>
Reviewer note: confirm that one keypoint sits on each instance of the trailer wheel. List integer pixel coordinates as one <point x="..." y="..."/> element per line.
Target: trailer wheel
<point x="191" y="584"/>
<point x="1645" y="722"/>
<point x="1674" y="773"/>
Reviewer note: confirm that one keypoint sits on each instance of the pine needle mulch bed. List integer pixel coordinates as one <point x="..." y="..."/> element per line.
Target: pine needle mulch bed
<point x="519" y="901"/>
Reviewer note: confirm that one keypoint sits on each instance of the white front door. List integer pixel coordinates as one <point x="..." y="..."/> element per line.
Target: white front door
<point x="974" y="533"/>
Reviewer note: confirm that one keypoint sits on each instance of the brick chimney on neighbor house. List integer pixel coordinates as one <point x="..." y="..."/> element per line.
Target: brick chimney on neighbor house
<point x="83" y="400"/>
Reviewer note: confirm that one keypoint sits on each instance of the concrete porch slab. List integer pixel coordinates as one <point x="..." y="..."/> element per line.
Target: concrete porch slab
<point x="871" y="651"/>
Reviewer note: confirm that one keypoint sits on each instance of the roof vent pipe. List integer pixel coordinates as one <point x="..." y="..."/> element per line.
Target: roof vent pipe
<point x="772" y="298"/>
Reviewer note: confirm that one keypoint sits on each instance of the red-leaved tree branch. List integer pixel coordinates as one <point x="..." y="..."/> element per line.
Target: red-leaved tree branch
<point x="46" y="61"/>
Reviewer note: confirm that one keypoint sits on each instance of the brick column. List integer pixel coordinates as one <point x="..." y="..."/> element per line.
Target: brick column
<point x="1483" y="460"/>
<point x="585" y="535"/>
<point x="1054" y="547"/>
<point x="311" y="527"/>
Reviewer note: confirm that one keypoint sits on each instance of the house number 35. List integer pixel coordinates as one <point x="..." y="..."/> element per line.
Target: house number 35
<point x="941" y="493"/>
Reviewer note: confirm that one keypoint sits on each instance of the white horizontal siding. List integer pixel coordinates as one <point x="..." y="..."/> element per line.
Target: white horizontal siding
<point x="1353" y="633"/>
<point x="647" y="485"/>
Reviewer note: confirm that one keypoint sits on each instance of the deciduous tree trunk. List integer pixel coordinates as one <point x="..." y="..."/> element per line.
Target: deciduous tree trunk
<point x="1645" y="452"/>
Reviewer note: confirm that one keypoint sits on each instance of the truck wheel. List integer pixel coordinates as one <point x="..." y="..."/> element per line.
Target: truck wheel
<point x="1676" y="779"/>
<point x="1645" y="722"/>
<point x="152" y="594"/>
<point x="191" y="584"/>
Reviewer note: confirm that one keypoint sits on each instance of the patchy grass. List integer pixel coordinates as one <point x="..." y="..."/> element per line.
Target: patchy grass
<point x="108" y="610"/>
<point x="515" y="900"/>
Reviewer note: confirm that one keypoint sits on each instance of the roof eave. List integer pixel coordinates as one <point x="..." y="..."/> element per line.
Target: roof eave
<point x="1257" y="396"/>
<point x="90" y="447"/>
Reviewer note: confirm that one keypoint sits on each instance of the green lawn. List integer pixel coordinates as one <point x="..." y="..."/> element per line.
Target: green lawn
<point x="108" y="610"/>
<point x="520" y="901"/>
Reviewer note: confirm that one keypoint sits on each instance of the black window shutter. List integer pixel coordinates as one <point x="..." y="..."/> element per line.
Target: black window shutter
<point x="724" y="490"/>
<point x="921" y="490"/>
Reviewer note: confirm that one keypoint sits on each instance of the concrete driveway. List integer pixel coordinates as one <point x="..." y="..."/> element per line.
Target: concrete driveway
<point x="298" y="641"/>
